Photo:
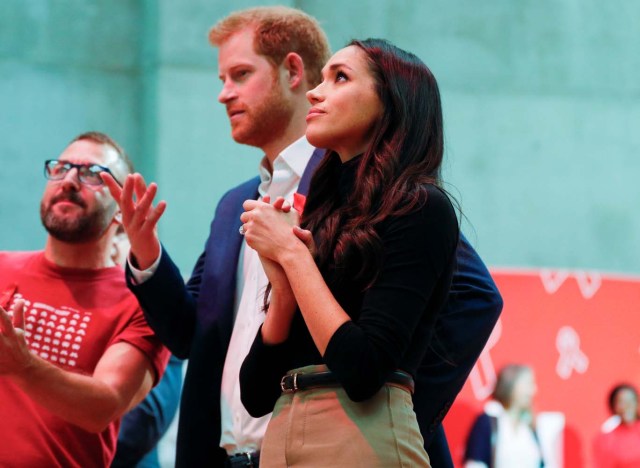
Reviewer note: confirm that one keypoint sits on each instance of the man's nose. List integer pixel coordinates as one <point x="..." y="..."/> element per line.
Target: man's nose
<point x="71" y="179"/>
<point x="227" y="93"/>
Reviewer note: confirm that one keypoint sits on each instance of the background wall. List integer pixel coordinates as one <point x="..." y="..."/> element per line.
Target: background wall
<point x="541" y="102"/>
<point x="557" y="322"/>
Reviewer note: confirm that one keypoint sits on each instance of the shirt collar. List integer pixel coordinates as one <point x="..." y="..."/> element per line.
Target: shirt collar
<point x="295" y="156"/>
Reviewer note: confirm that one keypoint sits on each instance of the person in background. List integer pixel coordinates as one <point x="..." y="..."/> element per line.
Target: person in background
<point x="505" y="435"/>
<point x="142" y="428"/>
<point x="268" y="59"/>
<point x="618" y="444"/>
<point x="75" y="350"/>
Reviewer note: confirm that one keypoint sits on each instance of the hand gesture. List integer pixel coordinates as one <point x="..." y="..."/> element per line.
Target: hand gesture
<point x="282" y="205"/>
<point x="139" y="216"/>
<point x="15" y="356"/>
<point x="303" y="234"/>
<point x="267" y="228"/>
<point x="306" y="237"/>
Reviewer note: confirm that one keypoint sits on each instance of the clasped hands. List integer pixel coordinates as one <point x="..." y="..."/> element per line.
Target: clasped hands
<point x="273" y="231"/>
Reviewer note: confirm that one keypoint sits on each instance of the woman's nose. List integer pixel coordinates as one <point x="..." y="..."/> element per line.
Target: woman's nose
<point x="314" y="95"/>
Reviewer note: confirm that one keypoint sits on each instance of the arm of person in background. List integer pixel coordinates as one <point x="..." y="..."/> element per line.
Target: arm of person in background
<point x="461" y="332"/>
<point x="142" y="428"/>
<point x="168" y="304"/>
<point x="479" y="450"/>
<point x="121" y="379"/>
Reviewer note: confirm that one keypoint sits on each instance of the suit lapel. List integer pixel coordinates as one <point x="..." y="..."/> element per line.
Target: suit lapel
<point x="225" y="243"/>
<point x="305" y="180"/>
<point x="223" y="252"/>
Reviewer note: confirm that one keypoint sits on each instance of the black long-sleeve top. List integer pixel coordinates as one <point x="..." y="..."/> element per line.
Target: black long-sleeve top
<point x="391" y="322"/>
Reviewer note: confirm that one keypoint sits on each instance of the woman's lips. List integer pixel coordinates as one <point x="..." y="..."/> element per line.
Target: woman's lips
<point x="314" y="112"/>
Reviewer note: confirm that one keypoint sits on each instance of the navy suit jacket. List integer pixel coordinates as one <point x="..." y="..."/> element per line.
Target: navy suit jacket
<point x="142" y="428"/>
<point x="195" y="322"/>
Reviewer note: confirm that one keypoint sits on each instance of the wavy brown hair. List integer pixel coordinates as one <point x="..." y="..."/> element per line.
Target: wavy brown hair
<point x="405" y="154"/>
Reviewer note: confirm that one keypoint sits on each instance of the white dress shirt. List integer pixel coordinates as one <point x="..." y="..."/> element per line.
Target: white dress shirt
<point x="240" y="432"/>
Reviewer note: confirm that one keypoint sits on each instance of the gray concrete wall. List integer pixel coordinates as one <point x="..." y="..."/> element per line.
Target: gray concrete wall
<point x="541" y="103"/>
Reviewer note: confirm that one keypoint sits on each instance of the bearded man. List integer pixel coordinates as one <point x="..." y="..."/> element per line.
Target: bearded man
<point x="75" y="350"/>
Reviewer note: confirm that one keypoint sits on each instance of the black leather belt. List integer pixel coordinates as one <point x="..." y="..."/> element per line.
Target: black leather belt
<point x="243" y="460"/>
<point x="294" y="382"/>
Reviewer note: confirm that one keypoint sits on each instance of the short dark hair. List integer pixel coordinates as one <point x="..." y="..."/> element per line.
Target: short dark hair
<point x="613" y="394"/>
<point x="104" y="139"/>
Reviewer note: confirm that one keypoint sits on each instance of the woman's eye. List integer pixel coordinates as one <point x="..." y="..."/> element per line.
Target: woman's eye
<point x="340" y="76"/>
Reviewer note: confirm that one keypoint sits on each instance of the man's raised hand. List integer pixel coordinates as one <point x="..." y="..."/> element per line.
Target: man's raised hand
<point x="139" y="216"/>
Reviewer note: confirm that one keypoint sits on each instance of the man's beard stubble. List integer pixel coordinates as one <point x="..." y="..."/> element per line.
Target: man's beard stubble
<point x="268" y="121"/>
<point x="74" y="230"/>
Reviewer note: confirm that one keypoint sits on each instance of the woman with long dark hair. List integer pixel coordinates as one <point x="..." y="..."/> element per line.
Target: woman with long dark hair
<point x="351" y="307"/>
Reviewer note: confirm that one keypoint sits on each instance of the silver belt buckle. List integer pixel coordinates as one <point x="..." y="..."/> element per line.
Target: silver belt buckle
<point x="295" y="383"/>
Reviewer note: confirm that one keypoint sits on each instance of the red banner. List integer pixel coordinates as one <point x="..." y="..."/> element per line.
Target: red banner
<point x="580" y="331"/>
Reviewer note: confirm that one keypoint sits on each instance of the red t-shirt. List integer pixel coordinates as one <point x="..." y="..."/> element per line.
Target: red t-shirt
<point x="619" y="448"/>
<point x="71" y="317"/>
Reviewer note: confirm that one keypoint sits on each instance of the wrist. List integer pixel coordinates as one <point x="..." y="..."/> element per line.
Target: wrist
<point x="277" y="323"/>
<point x="297" y="252"/>
<point x="142" y="259"/>
<point x="28" y="369"/>
<point x="282" y="299"/>
<point x="280" y="290"/>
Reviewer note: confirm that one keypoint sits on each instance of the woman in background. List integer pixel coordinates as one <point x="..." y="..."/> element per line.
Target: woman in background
<point x="618" y="445"/>
<point x="504" y="436"/>
<point x="352" y="310"/>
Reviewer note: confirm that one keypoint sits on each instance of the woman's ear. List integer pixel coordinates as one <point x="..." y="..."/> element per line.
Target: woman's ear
<point x="296" y="73"/>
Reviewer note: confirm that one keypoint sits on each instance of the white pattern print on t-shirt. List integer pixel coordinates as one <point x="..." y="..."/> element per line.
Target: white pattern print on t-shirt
<point x="55" y="334"/>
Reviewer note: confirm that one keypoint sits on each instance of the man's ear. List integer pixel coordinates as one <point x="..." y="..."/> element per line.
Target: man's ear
<point x="296" y="74"/>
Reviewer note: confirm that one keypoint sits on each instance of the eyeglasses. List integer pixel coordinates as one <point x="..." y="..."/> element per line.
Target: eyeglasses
<point x="88" y="174"/>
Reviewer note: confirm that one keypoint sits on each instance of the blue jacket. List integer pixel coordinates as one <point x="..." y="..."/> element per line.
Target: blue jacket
<point x="142" y="428"/>
<point x="195" y="322"/>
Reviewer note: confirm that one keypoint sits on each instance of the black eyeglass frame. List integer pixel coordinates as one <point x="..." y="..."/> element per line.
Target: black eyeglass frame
<point x="82" y="169"/>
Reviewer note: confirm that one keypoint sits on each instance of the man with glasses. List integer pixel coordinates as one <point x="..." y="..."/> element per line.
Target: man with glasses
<point x="75" y="350"/>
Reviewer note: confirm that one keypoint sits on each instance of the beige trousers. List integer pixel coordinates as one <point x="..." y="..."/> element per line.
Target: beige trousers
<point x="322" y="427"/>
